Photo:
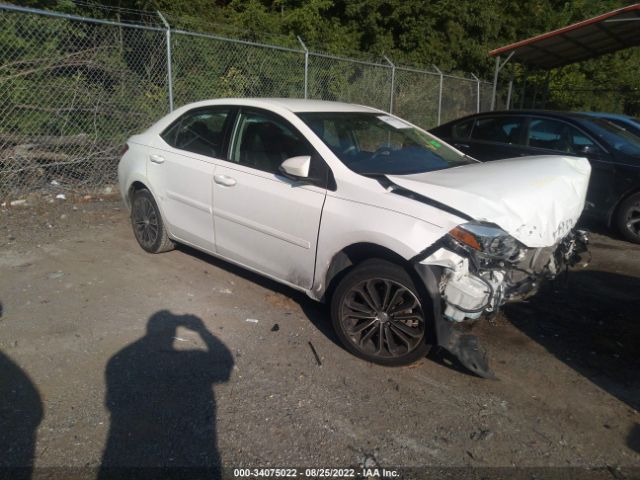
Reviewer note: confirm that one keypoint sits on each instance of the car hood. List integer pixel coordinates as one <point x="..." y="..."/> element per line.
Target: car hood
<point x="537" y="200"/>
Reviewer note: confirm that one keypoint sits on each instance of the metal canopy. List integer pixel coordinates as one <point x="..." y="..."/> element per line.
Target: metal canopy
<point x="590" y="38"/>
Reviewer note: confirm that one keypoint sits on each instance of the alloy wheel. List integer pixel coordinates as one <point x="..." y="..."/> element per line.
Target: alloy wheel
<point x="145" y="222"/>
<point x="632" y="219"/>
<point x="381" y="317"/>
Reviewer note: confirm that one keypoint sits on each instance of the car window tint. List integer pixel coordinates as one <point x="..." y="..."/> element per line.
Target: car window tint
<point x="498" y="129"/>
<point x="264" y="142"/>
<point x="556" y="135"/>
<point x="169" y="135"/>
<point x="200" y="132"/>
<point x="462" y="129"/>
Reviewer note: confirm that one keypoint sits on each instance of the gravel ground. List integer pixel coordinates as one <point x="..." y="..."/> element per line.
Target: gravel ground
<point x="118" y="357"/>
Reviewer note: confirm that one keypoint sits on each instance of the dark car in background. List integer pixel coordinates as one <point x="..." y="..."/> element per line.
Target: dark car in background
<point x="614" y="154"/>
<point x="630" y="124"/>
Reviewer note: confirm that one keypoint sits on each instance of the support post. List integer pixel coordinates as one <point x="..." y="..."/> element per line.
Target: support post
<point x="306" y="68"/>
<point x="509" y="94"/>
<point x="545" y="92"/>
<point x="439" y="93"/>
<point x="477" y="93"/>
<point x="495" y="83"/>
<point x="393" y="82"/>
<point x="499" y="67"/>
<point x="169" y="60"/>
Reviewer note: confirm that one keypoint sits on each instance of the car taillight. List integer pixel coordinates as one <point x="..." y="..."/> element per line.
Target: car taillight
<point x="124" y="149"/>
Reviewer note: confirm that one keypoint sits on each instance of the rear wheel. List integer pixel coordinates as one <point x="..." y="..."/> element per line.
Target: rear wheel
<point x="628" y="218"/>
<point x="377" y="314"/>
<point x="147" y="224"/>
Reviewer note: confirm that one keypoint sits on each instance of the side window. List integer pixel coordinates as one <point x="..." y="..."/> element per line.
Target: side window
<point x="498" y="129"/>
<point x="264" y="142"/>
<point x="462" y="129"/>
<point x="200" y="131"/>
<point x="556" y="135"/>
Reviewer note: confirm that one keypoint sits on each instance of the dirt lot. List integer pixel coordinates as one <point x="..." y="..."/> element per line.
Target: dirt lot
<point x="121" y="357"/>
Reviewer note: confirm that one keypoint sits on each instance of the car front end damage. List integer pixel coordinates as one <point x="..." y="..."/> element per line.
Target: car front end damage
<point x="478" y="267"/>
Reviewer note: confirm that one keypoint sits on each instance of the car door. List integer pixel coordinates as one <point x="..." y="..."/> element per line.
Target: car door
<point x="551" y="136"/>
<point x="490" y="137"/>
<point x="181" y="168"/>
<point x="264" y="220"/>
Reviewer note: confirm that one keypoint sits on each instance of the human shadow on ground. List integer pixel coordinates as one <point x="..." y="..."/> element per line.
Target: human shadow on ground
<point x="589" y="321"/>
<point x="21" y="412"/>
<point x="163" y="411"/>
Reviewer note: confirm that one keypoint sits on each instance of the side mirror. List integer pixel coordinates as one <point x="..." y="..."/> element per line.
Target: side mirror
<point x="296" y="167"/>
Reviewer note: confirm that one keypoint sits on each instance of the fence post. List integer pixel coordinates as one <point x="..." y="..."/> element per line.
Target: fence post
<point x="393" y="82"/>
<point x="477" y="93"/>
<point x="169" y="60"/>
<point x="306" y="68"/>
<point x="439" y="93"/>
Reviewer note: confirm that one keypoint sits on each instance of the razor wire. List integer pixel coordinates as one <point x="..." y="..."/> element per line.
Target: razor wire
<point x="74" y="89"/>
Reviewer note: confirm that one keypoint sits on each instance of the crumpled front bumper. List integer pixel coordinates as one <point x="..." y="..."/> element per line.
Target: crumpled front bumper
<point x="465" y="284"/>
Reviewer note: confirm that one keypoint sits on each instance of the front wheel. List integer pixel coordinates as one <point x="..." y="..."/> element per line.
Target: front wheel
<point x="628" y="218"/>
<point x="377" y="314"/>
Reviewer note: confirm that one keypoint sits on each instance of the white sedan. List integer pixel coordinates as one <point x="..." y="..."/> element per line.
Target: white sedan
<point x="407" y="238"/>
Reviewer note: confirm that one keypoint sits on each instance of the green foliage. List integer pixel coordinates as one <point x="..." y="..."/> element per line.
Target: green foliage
<point x="455" y="35"/>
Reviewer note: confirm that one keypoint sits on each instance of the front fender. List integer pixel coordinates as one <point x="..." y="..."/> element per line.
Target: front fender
<point x="345" y="223"/>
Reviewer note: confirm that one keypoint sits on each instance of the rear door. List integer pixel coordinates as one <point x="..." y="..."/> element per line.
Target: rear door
<point x="490" y="137"/>
<point x="263" y="220"/>
<point x="181" y="167"/>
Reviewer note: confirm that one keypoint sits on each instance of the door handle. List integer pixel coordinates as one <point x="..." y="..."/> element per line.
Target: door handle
<point x="461" y="145"/>
<point x="156" y="158"/>
<point x="224" y="180"/>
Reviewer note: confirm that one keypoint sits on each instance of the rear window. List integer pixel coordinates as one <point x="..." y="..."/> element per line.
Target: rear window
<point x="199" y="131"/>
<point x="462" y="129"/>
<point x="498" y="129"/>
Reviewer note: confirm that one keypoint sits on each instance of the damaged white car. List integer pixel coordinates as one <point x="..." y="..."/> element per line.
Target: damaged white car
<point x="407" y="238"/>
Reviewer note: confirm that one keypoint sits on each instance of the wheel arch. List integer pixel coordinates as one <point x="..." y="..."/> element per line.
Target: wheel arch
<point x="134" y="187"/>
<point x="354" y="254"/>
<point x="613" y="211"/>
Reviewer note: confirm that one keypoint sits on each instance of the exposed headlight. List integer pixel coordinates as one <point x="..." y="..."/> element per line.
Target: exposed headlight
<point x="488" y="239"/>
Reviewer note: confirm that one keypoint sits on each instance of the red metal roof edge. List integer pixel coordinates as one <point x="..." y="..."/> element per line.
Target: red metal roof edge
<point x="568" y="28"/>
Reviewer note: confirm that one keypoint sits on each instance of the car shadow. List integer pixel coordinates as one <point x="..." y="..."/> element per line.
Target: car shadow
<point x="589" y="321"/>
<point x="316" y="312"/>
<point x="21" y="412"/>
<point x="163" y="411"/>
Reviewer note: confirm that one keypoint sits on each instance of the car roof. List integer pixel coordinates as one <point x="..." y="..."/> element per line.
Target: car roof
<point x="546" y="113"/>
<point x="295" y="105"/>
<point x="617" y="116"/>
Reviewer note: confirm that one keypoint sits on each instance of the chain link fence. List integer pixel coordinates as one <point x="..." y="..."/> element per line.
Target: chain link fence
<point x="347" y="80"/>
<point x="73" y="89"/>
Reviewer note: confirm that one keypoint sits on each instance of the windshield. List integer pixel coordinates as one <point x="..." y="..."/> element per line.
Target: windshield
<point x="616" y="136"/>
<point x="379" y="144"/>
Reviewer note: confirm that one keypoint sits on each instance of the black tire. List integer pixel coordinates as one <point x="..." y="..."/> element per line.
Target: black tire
<point x="147" y="224"/>
<point x="627" y="218"/>
<point x="388" y="334"/>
